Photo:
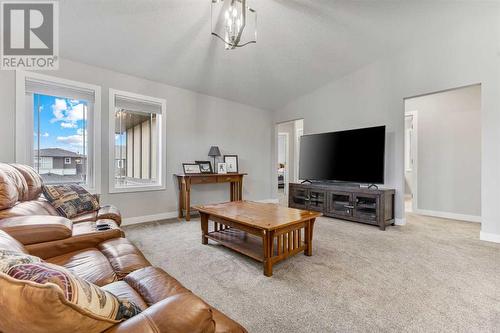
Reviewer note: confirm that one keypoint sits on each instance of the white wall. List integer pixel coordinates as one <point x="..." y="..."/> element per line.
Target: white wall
<point x="374" y="95"/>
<point x="194" y="123"/>
<point x="449" y="151"/>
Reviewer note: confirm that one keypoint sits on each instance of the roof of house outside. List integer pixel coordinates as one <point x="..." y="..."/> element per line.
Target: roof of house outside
<point x="57" y="152"/>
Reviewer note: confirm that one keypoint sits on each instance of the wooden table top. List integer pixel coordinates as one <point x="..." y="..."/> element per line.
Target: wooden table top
<point x="210" y="174"/>
<point x="264" y="216"/>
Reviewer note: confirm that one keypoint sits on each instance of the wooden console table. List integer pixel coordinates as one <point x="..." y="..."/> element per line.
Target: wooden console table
<point x="185" y="182"/>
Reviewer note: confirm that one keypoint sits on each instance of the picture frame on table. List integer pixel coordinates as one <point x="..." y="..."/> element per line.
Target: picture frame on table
<point x="231" y="163"/>
<point x="205" y="166"/>
<point x="221" y="168"/>
<point x="191" y="168"/>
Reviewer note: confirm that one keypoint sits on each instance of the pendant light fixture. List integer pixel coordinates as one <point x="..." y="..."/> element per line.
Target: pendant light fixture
<point x="234" y="23"/>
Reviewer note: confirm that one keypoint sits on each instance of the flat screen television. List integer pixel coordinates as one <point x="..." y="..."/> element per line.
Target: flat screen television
<point x="354" y="156"/>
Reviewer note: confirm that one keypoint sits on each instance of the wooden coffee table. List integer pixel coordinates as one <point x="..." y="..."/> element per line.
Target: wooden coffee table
<point x="265" y="232"/>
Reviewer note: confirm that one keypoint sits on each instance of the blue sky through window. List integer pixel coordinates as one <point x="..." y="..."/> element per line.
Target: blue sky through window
<point x="62" y="123"/>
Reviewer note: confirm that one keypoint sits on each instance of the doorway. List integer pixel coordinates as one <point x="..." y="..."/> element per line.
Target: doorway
<point x="411" y="163"/>
<point x="283" y="161"/>
<point x="288" y="151"/>
<point x="443" y="154"/>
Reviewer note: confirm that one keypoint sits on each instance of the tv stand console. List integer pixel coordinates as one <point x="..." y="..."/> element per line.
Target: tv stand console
<point x="358" y="204"/>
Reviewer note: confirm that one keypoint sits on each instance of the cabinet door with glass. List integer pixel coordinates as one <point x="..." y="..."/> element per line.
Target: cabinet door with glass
<point x="340" y="203"/>
<point x="299" y="197"/>
<point x="366" y="207"/>
<point x="317" y="200"/>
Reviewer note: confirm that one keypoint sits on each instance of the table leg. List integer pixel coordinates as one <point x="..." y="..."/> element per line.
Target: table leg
<point x="187" y="203"/>
<point x="204" y="228"/>
<point x="309" y="237"/>
<point x="181" y="199"/>
<point x="240" y="189"/>
<point x="267" y="244"/>
<point x="231" y="189"/>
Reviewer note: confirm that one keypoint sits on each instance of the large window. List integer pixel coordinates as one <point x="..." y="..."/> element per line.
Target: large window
<point x="137" y="142"/>
<point x="59" y="137"/>
<point x="56" y="123"/>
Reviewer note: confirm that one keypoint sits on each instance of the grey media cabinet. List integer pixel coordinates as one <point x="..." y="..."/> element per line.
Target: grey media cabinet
<point x="343" y="202"/>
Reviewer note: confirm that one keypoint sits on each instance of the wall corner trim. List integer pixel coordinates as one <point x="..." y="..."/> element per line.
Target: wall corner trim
<point x="400" y="221"/>
<point x="447" y="215"/>
<point x="489" y="237"/>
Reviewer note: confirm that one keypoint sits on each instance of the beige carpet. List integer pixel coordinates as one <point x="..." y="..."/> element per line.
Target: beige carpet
<point x="431" y="275"/>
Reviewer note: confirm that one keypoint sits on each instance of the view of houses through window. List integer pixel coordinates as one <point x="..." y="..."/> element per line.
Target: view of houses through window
<point x="60" y="139"/>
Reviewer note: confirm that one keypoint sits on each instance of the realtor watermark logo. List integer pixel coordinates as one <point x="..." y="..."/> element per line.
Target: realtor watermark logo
<point x="29" y="35"/>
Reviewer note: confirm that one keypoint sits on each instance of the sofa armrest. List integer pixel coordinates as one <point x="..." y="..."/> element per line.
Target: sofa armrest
<point x="180" y="313"/>
<point x="109" y="212"/>
<point x="84" y="236"/>
<point x="37" y="228"/>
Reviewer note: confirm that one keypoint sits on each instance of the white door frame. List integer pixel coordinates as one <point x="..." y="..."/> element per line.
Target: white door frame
<point x="414" y="148"/>
<point x="287" y="159"/>
<point x="298" y="133"/>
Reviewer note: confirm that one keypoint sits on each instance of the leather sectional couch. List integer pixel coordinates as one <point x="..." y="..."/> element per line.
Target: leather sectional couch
<point x="28" y="224"/>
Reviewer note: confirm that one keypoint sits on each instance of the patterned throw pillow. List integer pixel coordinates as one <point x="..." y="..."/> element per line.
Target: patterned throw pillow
<point x="10" y="258"/>
<point x="70" y="200"/>
<point x="83" y="294"/>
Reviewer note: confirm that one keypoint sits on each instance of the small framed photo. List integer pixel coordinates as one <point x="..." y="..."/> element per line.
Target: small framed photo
<point x="205" y="166"/>
<point x="232" y="163"/>
<point x="190" y="168"/>
<point x="221" y="168"/>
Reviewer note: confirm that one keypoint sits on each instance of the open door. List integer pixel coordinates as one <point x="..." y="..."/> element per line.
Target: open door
<point x="411" y="141"/>
<point x="283" y="162"/>
<point x="288" y="150"/>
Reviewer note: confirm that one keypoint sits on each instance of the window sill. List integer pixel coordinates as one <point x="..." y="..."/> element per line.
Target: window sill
<point x="132" y="189"/>
<point x="92" y="191"/>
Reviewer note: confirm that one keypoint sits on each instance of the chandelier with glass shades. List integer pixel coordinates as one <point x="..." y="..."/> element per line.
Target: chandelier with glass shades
<point x="234" y="23"/>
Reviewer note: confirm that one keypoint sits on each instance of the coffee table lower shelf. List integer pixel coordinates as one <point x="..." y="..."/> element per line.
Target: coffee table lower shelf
<point x="282" y="246"/>
<point x="239" y="241"/>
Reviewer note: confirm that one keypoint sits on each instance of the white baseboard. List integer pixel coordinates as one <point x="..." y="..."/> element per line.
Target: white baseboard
<point x="168" y="215"/>
<point x="400" y="221"/>
<point x="446" y="215"/>
<point x="275" y="201"/>
<point x="149" y="218"/>
<point x="489" y="237"/>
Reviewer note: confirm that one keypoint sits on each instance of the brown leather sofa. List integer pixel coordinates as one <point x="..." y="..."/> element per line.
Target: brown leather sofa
<point x="28" y="217"/>
<point x="21" y="195"/>
<point x="30" y="225"/>
<point x="120" y="268"/>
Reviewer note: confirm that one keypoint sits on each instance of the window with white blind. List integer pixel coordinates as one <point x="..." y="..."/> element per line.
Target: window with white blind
<point x="58" y="129"/>
<point x="137" y="142"/>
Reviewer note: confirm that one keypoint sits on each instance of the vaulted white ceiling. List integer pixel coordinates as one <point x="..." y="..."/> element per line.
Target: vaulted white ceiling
<point x="302" y="44"/>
